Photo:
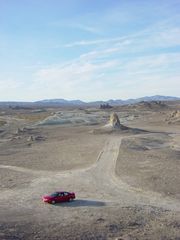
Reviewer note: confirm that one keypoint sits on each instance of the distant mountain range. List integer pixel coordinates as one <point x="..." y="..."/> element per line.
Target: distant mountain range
<point x="110" y="102"/>
<point x="63" y="102"/>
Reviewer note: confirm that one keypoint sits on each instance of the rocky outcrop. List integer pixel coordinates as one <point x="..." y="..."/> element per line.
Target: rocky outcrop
<point x="114" y="121"/>
<point x="112" y="126"/>
<point x="105" y="106"/>
<point x="35" y="138"/>
<point x="174" y="117"/>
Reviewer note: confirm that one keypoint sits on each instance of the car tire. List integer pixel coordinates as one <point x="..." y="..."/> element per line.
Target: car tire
<point x="53" y="202"/>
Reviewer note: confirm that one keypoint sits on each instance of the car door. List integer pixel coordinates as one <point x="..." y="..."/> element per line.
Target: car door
<point x="66" y="196"/>
<point x="60" y="197"/>
<point x="55" y="197"/>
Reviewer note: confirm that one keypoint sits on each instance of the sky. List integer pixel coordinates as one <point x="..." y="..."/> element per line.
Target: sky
<point x="89" y="49"/>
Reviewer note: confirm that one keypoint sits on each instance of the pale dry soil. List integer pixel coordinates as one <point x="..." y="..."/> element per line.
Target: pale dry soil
<point x="126" y="183"/>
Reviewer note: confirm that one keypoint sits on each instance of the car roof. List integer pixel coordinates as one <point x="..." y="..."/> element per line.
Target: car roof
<point x="61" y="191"/>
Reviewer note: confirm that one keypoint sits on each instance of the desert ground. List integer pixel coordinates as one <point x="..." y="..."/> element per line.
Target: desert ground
<point x="127" y="181"/>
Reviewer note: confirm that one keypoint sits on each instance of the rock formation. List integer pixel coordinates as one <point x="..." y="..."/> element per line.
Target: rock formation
<point x="114" y="121"/>
<point x="113" y="125"/>
<point x="174" y="117"/>
<point x="105" y="106"/>
<point x="35" y="138"/>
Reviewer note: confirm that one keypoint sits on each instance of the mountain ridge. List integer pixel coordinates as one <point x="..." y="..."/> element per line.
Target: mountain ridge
<point x="77" y="102"/>
<point x="112" y="102"/>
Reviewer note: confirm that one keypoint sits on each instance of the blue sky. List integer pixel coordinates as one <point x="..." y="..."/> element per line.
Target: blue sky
<point x="89" y="49"/>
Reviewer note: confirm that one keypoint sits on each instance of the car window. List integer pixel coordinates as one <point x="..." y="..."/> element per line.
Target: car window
<point x="66" y="194"/>
<point x="54" y="194"/>
<point x="61" y="194"/>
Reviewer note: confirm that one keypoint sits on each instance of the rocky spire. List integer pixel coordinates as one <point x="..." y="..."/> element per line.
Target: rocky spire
<point x="114" y="121"/>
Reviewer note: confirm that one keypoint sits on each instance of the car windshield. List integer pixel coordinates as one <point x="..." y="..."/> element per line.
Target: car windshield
<point x="54" y="194"/>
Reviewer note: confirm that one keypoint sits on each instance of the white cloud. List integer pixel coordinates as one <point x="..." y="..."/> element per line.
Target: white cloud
<point x="96" y="41"/>
<point x="153" y="63"/>
<point x="85" y="28"/>
<point x="73" y="79"/>
<point x="107" y="52"/>
<point x="161" y="34"/>
<point x="91" y="80"/>
<point x="76" y="25"/>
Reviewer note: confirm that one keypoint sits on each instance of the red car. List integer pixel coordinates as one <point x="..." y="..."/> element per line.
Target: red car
<point x="57" y="197"/>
